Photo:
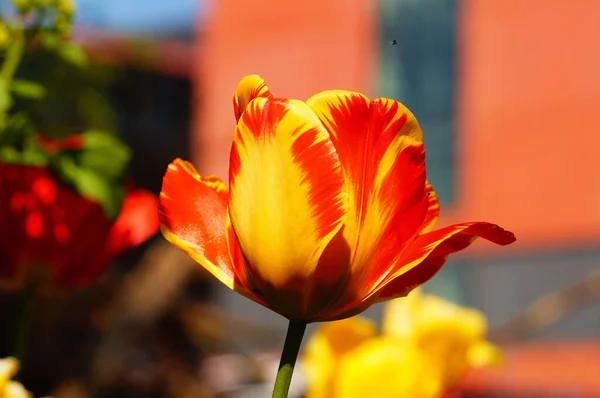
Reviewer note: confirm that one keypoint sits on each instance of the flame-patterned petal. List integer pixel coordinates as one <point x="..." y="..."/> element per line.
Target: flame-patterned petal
<point x="426" y="255"/>
<point x="380" y="147"/>
<point x="287" y="197"/>
<point x="193" y="214"/>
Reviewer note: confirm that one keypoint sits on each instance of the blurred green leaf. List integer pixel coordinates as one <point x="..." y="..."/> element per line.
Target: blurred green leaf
<point x="19" y="130"/>
<point x="5" y="97"/>
<point x="90" y="184"/>
<point x="18" y="143"/>
<point x="50" y="40"/>
<point x="28" y="89"/>
<point x="85" y="89"/>
<point x="9" y="155"/>
<point x="105" y="154"/>
<point x="73" y="54"/>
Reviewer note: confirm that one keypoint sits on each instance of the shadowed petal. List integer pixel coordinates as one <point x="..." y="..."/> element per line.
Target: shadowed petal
<point x="421" y="260"/>
<point x="426" y="255"/>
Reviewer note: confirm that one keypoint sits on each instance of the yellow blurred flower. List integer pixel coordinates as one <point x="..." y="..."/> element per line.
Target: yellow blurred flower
<point x="66" y="7"/>
<point x="426" y="347"/>
<point x="9" y="388"/>
<point x="327" y="346"/>
<point x="4" y="35"/>
<point x="444" y="330"/>
<point x="383" y="368"/>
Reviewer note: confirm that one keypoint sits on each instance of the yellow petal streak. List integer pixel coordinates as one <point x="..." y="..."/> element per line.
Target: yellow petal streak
<point x="380" y="146"/>
<point x="287" y="198"/>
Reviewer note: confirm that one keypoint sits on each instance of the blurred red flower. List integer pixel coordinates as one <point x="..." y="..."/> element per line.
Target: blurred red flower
<point x="52" y="235"/>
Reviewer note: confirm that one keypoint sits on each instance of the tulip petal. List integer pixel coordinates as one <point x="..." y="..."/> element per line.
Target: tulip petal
<point x="287" y="192"/>
<point x="433" y="209"/>
<point x="329" y="343"/>
<point x="250" y="87"/>
<point x="136" y="223"/>
<point x="193" y="212"/>
<point x="380" y="147"/>
<point x="386" y="368"/>
<point x="483" y="353"/>
<point x="426" y="255"/>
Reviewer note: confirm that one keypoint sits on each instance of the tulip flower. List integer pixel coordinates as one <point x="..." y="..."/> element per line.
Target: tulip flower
<point x="9" y="388"/>
<point x="328" y="208"/>
<point x="52" y="236"/>
<point x="426" y="347"/>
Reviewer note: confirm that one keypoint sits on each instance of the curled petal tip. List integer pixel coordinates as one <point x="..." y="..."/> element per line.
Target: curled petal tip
<point x="498" y="235"/>
<point x="250" y="87"/>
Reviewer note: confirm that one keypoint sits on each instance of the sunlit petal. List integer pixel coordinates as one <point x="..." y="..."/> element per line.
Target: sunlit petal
<point x="287" y="197"/>
<point x="192" y="212"/>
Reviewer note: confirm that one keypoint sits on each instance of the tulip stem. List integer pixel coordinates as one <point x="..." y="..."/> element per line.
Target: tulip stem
<point x="291" y="348"/>
<point x="21" y="339"/>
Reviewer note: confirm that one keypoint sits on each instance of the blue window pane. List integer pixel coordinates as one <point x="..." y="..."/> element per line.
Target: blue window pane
<point x="419" y="70"/>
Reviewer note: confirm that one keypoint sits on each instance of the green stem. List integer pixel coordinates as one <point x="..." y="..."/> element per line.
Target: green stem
<point x="21" y="339"/>
<point x="14" y="54"/>
<point x="291" y="348"/>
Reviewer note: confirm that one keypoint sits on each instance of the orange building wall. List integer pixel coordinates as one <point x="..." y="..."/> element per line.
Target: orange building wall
<point x="528" y="132"/>
<point x="529" y="121"/>
<point x="299" y="48"/>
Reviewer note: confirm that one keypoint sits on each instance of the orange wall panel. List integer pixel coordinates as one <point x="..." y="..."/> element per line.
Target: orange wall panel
<point x="529" y="119"/>
<point x="299" y="48"/>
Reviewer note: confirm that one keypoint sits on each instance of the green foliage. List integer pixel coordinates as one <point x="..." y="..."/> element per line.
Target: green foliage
<point x="54" y="94"/>
<point x="104" y="154"/>
<point x="96" y="170"/>
<point x="27" y="89"/>
<point x="73" y="54"/>
<point x="5" y="97"/>
<point x="82" y="88"/>
<point x="18" y="143"/>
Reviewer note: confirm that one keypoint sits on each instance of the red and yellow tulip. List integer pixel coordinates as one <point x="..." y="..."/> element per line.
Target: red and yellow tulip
<point x="328" y="209"/>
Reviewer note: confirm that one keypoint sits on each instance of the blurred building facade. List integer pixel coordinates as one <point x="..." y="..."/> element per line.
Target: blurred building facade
<point x="506" y="94"/>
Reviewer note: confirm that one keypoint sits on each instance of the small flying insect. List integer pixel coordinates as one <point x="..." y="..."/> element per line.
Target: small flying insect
<point x="394" y="42"/>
